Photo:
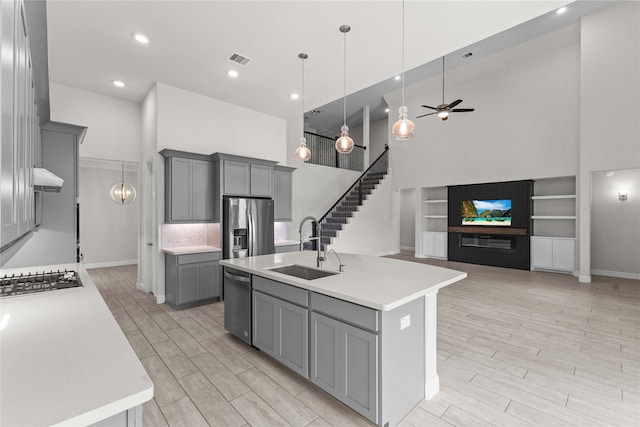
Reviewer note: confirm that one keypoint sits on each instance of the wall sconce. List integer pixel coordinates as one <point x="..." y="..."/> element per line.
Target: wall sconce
<point x="622" y="195"/>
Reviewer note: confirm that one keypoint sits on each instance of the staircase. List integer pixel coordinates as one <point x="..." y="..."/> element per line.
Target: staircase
<point x="338" y="216"/>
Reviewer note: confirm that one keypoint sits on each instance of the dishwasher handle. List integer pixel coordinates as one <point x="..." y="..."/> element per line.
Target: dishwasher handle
<point x="236" y="277"/>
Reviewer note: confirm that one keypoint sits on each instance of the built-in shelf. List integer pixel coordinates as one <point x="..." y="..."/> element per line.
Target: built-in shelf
<point x="553" y="217"/>
<point x="552" y="197"/>
<point x="435" y="201"/>
<point x="435" y="216"/>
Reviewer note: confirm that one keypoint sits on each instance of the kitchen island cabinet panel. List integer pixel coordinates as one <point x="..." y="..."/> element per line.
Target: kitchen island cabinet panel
<point x="325" y="354"/>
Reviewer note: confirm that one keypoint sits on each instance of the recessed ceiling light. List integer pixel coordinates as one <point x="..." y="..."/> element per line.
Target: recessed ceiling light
<point x="295" y="96"/>
<point x="610" y="173"/>
<point x="232" y="73"/>
<point x="386" y="110"/>
<point x="561" y="10"/>
<point x="141" y="38"/>
<point x="397" y="77"/>
<point x="118" y="83"/>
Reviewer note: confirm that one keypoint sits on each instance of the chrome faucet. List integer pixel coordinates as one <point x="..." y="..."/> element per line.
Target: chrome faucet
<point x="341" y="265"/>
<point x="320" y="257"/>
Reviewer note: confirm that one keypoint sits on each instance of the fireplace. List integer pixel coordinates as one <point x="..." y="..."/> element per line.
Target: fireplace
<point x="488" y="241"/>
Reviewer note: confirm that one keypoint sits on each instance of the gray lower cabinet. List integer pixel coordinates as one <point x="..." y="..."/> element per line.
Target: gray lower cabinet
<point x="287" y="248"/>
<point x="192" y="279"/>
<point x="281" y="328"/>
<point x="344" y="363"/>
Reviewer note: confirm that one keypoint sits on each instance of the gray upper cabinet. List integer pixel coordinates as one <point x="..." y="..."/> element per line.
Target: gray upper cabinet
<point x="282" y="193"/>
<point x="240" y="176"/>
<point x="188" y="187"/>
<point x="236" y="178"/>
<point x="19" y="124"/>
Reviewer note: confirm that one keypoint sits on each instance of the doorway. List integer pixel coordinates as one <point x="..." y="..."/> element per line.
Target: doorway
<point x="148" y="220"/>
<point x="408" y="219"/>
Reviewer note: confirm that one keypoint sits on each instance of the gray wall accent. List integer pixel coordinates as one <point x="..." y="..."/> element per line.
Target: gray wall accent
<point x="615" y="228"/>
<point x="408" y="218"/>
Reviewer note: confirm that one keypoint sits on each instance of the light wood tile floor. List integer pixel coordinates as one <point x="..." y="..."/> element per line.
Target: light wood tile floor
<point x="514" y="348"/>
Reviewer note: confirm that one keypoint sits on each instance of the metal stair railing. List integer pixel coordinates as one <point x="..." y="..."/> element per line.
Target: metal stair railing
<point x="379" y="166"/>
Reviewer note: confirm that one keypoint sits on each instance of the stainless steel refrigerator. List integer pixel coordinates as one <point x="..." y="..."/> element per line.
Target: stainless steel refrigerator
<point x="247" y="227"/>
<point x="247" y="230"/>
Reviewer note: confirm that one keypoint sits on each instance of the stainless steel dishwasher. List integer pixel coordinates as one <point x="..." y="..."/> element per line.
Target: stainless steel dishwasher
<point x="237" y="303"/>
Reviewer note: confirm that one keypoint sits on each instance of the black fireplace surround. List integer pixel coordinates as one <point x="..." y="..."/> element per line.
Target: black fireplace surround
<point x="500" y="246"/>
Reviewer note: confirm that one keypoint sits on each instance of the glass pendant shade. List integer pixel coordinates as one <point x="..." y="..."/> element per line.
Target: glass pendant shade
<point x="404" y="128"/>
<point x="344" y="144"/>
<point x="302" y="152"/>
<point x="122" y="192"/>
<point x="444" y="115"/>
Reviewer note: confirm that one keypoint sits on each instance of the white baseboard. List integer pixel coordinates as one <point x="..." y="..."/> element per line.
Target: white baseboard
<point x="109" y="263"/>
<point x="620" y="274"/>
<point x="160" y="299"/>
<point x="407" y="248"/>
<point x="432" y="387"/>
<point x="584" y="279"/>
<point x="387" y="253"/>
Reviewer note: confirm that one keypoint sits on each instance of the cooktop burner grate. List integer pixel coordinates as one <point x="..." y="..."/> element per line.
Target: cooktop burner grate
<point x="11" y="285"/>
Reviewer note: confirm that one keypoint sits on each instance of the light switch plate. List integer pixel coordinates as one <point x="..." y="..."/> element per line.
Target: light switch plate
<point x="405" y="321"/>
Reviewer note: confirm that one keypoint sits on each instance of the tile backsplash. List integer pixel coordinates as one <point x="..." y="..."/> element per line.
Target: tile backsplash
<point x="182" y="235"/>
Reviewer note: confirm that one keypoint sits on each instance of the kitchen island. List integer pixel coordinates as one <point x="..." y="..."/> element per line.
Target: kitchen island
<point x="65" y="361"/>
<point x="366" y="335"/>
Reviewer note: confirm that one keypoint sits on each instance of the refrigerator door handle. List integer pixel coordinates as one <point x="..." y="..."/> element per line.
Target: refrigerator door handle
<point x="250" y="226"/>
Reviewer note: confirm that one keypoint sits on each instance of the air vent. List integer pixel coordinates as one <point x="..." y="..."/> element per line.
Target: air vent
<point x="240" y="59"/>
<point x="466" y="55"/>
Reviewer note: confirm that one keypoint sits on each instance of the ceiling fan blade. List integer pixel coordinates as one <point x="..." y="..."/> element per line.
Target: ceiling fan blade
<point x="424" y="115"/>
<point x="454" y="103"/>
<point x="426" y="106"/>
<point x="463" y="110"/>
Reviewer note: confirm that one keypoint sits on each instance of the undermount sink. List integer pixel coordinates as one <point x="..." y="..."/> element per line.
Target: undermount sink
<point x="303" y="272"/>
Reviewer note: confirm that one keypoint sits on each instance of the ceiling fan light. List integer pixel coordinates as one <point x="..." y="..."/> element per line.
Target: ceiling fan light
<point x="404" y="128"/>
<point x="302" y="152"/>
<point x="444" y="115"/>
<point x="344" y="144"/>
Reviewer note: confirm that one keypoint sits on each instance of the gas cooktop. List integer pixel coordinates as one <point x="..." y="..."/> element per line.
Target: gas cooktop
<point x="20" y="284"/>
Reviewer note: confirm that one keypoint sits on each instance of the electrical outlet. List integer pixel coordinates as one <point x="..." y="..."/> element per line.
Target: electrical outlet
<point x="405" y="322"/>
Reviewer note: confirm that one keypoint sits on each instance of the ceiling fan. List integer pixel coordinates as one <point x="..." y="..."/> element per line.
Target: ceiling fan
<point x="443" y="110"/>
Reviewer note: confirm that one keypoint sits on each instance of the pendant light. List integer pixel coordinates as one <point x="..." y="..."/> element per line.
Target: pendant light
<point x="344" y="144"/>
<point x="404" y="128"/>
<point x="302" y="152"/>
<point x="121" y="192"/>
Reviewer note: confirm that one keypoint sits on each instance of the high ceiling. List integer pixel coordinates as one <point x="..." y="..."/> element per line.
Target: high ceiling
<point x="91" y="44"/>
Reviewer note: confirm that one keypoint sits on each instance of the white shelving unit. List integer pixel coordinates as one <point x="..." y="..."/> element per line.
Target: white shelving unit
<point x="433" y="229"/>
<point x="553" y="241"/>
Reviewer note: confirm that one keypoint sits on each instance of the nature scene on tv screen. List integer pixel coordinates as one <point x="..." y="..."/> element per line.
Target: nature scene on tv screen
<point x="486" y="212"/>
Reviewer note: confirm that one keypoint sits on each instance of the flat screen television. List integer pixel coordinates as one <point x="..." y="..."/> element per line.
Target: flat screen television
<point x="493" y="213"/>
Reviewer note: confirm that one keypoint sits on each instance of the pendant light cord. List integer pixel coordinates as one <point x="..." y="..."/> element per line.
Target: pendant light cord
<point x="344" y="87"/>
<point x="123" y="172"/>
<point x="403" y="53"/>
<point x="302" y="103"/>
<point x="443" y="80"/>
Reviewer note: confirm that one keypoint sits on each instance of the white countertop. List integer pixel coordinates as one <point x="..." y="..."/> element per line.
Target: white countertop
<point x="63" y="358"/>
<point x="184" y="250"/>
<point x="379" y="283"/>
<point x="286" y="243"/>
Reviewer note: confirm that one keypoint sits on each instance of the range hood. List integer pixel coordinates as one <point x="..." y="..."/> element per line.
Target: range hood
<point x="43" y="180"/>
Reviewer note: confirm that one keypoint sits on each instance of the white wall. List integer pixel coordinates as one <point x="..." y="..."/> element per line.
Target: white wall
<point x="192" y="122"/>
<point x="315" y="189"/>
<point x="370" y="231"/>
<point x="610" y="76"/>
<point x="615" y="228"/>
<point x="113" y="124"/>
<point x="526" y="123"/>
<point x="378" y="137"/>
<point x="108" y="232"/>
<point x="408" y="219"/>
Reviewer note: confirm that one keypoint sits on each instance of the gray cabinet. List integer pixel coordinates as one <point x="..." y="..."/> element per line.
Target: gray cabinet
<point x="19" y="125"/>
<point x="240" y="176"/>
<point x="287" y="248"/>
<point x="344" y="353"/>
<point x="192" y="279"/>
<point x="282" y="193"/>
<point x="188" y="187"/>
<point x="280" y="327"/>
